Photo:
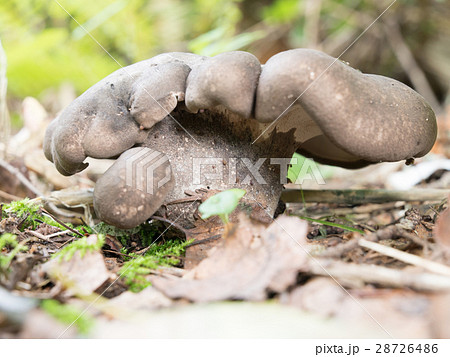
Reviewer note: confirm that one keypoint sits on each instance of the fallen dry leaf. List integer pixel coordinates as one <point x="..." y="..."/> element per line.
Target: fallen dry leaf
<point x="247" y="264"/>
<point x="206" y="235"/>
<point x="79" y="275"/>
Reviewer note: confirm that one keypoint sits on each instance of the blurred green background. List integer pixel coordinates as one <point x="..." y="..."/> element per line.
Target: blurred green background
<point x="45" y="47"/>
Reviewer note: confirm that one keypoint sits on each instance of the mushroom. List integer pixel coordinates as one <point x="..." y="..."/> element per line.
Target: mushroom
<point x="179" y="122"/>
<point x="362" y="118"/>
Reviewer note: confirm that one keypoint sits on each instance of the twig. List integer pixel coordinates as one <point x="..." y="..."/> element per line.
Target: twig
<point x="62" y="223"/>
<point x="57" y="234"/>
<point x="390" y="232"/>
<point x="9" y="197"/>
<point x="117" y="253"/>
<point x="14" y="171"/>
<point x="66" y="242"/>
<point x="406" y="257"/>
<point x="414" y="238"/>
<point x="375" y="274"/>
<point x="19" y="225"/>
<point x="173" y="224"/>
<point x="183" y="200"/>
<point x="408" y="62"/>
<point x="312" y="23"/>
<point x="206" y="240"/>
<point x="341" y="249"/>
<point x="39" y="235"/>
<point x="353" y="197"/>
<point x="355" y="210"/>
<point x="71" y="198"/>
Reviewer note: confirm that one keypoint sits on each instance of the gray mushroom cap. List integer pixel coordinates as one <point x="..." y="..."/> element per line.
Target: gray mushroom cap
<point x="228" y="79"/>
<point x="113" y="115"/>
<point x="364" y="118"/>
<point x="301" y="100"/>
<point x="133" y="188"/>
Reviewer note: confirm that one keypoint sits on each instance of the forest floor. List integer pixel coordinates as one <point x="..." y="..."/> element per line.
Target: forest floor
<point x="368" y="261"/>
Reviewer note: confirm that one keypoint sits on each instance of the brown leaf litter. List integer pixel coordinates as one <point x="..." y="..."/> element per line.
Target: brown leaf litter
<point x="80" y="275"/>
<point x="250" y="262"/>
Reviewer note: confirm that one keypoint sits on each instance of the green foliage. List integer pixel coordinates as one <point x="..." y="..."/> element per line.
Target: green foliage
<point x="221" y="204"/>
<point x="9" y="240"/>
<point x="281" y="11"/>
<point x="217" y="41"/>
<point x="46" y="47"/>
<point x="300" y="165"/>
<point x="81" y="245"/>
<point x="30" y="212"/>
<point x="32" y="215"/>
<point x="135" y="270"/>
<point x="68" y="314"/>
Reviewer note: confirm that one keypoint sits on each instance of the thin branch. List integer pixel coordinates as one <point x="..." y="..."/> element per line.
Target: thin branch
<point x="374" y="274"/>
<point x="14" y="171"/>
<point x="408" y="62"/>
<point x="62" y="223"/>
<point x="341" y="249"/>
<point x="312" y="23"/>
<point x="8" y="196"/>
<point x="173" y="224"/>
<point x="39" y="235"/>
<point x="406" y="257"/>
<point x="353" y="197"/>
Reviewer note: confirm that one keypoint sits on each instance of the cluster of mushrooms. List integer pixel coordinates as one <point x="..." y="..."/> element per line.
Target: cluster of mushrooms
<point x="179" y="122"/>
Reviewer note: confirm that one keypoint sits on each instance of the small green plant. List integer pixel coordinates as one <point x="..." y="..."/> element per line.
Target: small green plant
<point x="9" y="240"/>
<point x="300" y="169"/>
<point x="81" y="245"/>
<point x="68" y="314"/>
<point x="135" y="270"/>
<point x="221" y="204"/>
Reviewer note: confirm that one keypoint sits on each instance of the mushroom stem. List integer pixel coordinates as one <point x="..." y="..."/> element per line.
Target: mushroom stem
<point x="218" y="155"/>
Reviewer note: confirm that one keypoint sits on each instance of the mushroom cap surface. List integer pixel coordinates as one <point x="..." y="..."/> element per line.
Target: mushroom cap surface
<point x="133" y="188"/>
<point x="228" y="79"/>
<point x="114" y="114"/>
<point x="300" y="100"/>
<point x="364" y="118"/>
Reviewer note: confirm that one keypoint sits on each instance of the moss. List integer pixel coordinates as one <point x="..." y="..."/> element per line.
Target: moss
<point x="30" y="212"/>
<point x="146" y="233"/>
<point x="9" y="240"/>
<point x="167" y="253"/>
<point x="32" y="215"/>
<point x="81" y="245"/>
<point x="68" y="314"/>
